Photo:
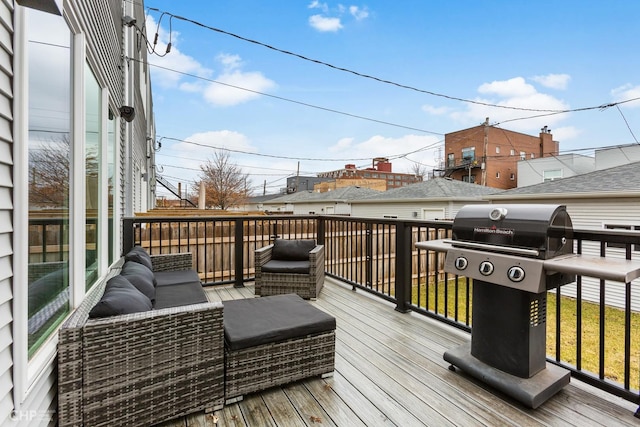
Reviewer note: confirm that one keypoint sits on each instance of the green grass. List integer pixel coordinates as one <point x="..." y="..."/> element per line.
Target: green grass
<point x="613" y="329"/>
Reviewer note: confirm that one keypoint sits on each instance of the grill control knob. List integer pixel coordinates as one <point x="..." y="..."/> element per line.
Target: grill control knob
<point x="516" y="274"/>
<point x="486" y="268"/>
<point x="461" y="263"/>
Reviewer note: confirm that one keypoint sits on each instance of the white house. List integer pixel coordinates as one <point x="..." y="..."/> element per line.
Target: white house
<point x="543" y="169"/>
<point x="75" y="127"/>
<point x="437" y="198"/>
<point x="603" y="199"/>
<point x="335" y="202"/>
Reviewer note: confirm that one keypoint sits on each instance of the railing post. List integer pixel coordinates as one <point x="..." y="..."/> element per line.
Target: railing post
<point x="127" y="235"/>
<point x="239" y="253"/>
<point x="320" y="230"/>
<point x="403" y="266"/>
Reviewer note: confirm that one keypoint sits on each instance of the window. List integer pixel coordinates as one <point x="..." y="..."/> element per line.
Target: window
<point x="523" y="155"/>
<point x="469" y="178"/>
<point x="622" y="227"/>
<point x="533" y="156"/>
<point x="92" y="174"/>
<point x="550" y="175"/>
<point x="498" y="175"/>
<point x="497" y="149"/>
<point x="469" y="154"/>
<point x="513" y="152"/>
<point x="451" y="160"/>
<point x="111" y="161"/>
<point x="49" y="163"/>
<point x="512" y="177"/>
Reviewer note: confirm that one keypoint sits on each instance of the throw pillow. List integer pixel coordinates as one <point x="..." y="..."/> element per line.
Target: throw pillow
<point x="292" y="250"/>
<point x="139" y="255"/>
<point x="120" y="297"/>
<point x="140" y="277"/>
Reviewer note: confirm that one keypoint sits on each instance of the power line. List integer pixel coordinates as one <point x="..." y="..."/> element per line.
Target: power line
<point x="293" y="101"/>
<point x="367" y="76"/>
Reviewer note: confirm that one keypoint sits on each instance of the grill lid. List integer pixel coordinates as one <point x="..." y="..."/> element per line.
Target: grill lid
<point x="540" y="231"/>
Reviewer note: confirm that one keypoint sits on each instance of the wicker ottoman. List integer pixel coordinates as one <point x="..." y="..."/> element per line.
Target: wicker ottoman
<point x="275" y="340"/>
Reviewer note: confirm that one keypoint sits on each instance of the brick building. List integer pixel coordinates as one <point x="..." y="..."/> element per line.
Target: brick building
<point x="489" y="156"/>
<point x="381" y="169"/>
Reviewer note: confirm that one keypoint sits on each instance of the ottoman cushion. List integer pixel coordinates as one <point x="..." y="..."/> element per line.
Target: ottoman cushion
<point x="256" y="321"/>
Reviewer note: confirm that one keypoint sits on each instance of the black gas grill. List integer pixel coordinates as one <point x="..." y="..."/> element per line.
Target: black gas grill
<point x="503" y="248"/>
<point x="515" y="253"/>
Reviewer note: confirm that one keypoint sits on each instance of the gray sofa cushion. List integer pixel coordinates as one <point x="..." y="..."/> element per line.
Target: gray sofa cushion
<point x="139" y="255"/>
<point x="279" y="266"/>
<point x="176" y="277"/>
<point x="292" y="250"/>
<point x="120" y="297"/>
<point x="256" y="321"/>
<point x="140" y="277"/>
<point x="179" y="294"/>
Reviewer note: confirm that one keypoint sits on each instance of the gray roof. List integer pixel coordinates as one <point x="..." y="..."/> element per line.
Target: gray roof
<point x="436" y="188"/>
<point x="263" y="198"/>
<point x="339" y="194"/>
<point x="625" y="178"/>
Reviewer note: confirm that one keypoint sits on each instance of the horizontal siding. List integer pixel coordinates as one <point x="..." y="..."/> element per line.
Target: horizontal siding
<point x="593" y="214"/>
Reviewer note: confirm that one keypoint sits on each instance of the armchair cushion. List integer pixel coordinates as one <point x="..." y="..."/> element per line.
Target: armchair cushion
<point x="120" y="297"/>
<point x="292" y="250"/>
<point x="139" y="255"/>
<point x="175" y="277"/>
<point x="279" y="266"/>
<point x="140" y="277"/>
<point x="179" y="294"/>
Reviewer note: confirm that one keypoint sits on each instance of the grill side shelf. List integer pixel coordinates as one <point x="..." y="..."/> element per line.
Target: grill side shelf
<point x="619" y="270"/>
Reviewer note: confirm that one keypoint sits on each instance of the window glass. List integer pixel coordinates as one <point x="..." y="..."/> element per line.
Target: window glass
<point x="550" y="175"/>
<point x="111" y="161"/>
<point x="92" y="169"/>
<point x="469" y="154"/>
<point x="49" y="147"/>
<point x="451" y="160"/>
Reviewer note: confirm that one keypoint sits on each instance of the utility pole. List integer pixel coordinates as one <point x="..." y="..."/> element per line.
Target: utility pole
<point x="298" y="177"/>
<point x="484" y="152"/>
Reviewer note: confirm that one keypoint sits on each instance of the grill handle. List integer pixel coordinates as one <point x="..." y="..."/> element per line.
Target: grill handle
<point x="493" y="248"/>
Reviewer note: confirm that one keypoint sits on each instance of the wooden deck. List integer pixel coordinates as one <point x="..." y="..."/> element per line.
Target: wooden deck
<point x="390" y="372"/>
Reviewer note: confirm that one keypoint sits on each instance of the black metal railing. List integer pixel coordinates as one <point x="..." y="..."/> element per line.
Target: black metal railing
<point x="379" y="256"/>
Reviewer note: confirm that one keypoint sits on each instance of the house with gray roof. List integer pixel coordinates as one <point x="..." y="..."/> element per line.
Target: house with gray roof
<point x="335" y="202"/>
<point x="437" y="198"/>
<point x="603" y="199"/>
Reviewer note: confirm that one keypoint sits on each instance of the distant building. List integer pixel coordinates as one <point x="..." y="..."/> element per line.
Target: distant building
<point x="488" y="155"/>
<point x="371" y="183"/>
<point x="546" y="169"/>
<point x="381" y="169"/>
<point x="303" y="183"/>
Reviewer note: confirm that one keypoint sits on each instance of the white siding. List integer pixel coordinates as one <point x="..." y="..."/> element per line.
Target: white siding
<point x="6" y="211"/>
<point x="405" y="210"/>
<point x="594" y="214"/>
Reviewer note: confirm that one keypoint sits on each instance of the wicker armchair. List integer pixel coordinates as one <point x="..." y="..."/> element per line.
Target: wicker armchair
<point x="290" y="266"/>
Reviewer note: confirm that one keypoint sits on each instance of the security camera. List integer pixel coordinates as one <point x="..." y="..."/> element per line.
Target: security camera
<point x="128" y="113"/>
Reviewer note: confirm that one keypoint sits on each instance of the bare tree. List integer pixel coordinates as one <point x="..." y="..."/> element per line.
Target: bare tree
<point x="225" y="183"/>
<point x="419" y="169"/>
<point x="49" y="174"/>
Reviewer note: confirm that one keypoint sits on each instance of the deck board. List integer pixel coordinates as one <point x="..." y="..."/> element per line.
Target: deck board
<point x="390" y="372"/>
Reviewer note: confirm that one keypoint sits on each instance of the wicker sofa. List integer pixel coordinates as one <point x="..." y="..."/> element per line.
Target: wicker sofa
<point x="141" y="368"/>
<point x="290" y="266"/>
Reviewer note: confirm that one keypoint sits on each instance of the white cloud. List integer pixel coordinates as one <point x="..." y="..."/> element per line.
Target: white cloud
<point x="331" y="19"/>
<point x="325" y="24"/>
<point x="381" y="146"/>
<point x="164" y="74"/>
<point x="228" y="94"/>
<point x="317" y="5"/>
<point x="358" y="13"/>
<point x="625" y="92"/>
<point x="515" y="87"/>
<point x="518" y="95"/>
<point x="553" y="81"/>
<point x="565" y="133"/>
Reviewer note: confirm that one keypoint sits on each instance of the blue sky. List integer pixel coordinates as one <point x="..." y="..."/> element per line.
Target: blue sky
<point x="277" y="113"/>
